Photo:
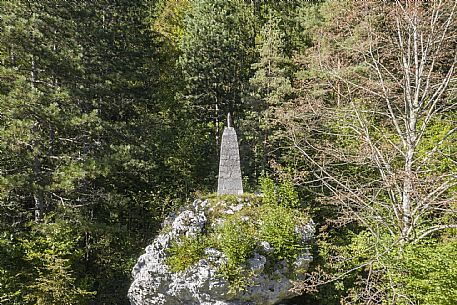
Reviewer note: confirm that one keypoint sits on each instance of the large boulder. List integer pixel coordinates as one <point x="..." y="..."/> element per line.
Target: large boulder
<point x="267" y="282"/>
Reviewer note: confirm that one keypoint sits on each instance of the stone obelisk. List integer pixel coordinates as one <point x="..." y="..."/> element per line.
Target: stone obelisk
<point x="229" y="181"/>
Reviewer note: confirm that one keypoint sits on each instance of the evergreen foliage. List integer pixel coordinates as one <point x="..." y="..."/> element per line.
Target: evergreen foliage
<point x="216" y="55"/>
<point x="92" y="141"/>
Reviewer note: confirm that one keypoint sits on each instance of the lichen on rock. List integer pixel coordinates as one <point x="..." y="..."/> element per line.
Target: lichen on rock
<point x="214" y="252"/>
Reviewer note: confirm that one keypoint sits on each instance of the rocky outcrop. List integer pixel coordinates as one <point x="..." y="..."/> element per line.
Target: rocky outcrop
<point x="201" y="284"/>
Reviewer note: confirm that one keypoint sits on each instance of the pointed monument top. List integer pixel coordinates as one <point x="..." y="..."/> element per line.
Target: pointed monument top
<point x="229" y="120"/>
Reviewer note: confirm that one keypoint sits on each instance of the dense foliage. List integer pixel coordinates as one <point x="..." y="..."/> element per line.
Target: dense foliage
<point x="110" y="118"/>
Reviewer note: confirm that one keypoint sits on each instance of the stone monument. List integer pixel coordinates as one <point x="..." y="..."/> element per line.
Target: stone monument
<point x="229" y="181"/>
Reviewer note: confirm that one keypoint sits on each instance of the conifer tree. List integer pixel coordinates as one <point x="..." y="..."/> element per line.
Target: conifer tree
<point x="217" y="51"/>
<point x="41" y="129"/>
<point x="88" y="146"/>
<point x="271" y="88"/>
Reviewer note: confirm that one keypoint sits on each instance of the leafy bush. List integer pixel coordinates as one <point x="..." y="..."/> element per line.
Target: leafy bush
<point x="268" y="188"/>
<point x="236" y="275"/>
<point x="186" y="252"/>
<point x="284" y="194"/>
<point x="288" y="196"/>
<point x="427" y="273"/>
<point x="236" y="238"/>
<point x="278" y="219"/>
<point x="277" y="227"/>
<point x="52" y="249"/>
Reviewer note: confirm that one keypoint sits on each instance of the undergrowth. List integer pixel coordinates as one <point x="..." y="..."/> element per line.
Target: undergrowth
<point x="186" y="252"/>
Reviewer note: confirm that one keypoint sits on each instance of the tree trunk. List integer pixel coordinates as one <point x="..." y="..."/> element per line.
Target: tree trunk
<point x="38" y="192"/>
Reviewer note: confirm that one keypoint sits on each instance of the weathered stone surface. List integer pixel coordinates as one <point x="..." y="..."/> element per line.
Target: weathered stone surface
<point x="155" y="284"/>
<point x="229" y="181"/>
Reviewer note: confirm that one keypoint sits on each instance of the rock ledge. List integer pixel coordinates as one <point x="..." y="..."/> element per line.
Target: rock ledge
<point x="156" y="284"/>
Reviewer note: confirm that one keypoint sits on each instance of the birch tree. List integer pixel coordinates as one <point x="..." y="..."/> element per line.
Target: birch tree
<point x="377" y="122"/>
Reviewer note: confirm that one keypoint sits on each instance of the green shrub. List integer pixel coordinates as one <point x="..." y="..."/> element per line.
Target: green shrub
<point x="186" y="252"/>
<point x="277" y="227"/>
<point x="268" y="188"/>
<point x="236" y="275"/>
<point x="236" y="239"/>
<point x="278" y="218"/>
<point x="284" y="194"/>
<point x="288" y="196"/>
<point x="427" y="273"/>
